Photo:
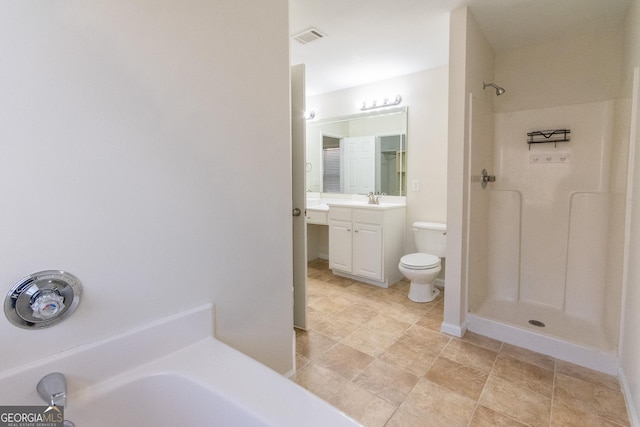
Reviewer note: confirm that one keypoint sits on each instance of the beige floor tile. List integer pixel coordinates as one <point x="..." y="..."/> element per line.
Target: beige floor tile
<point x="402" y="418"/>
<point x="340" y="281"/>
<point x="403" y="312"/>
<point x="525" y="375"/>
<point x="401" y="285"/>
<point x="318" y="264"/>
<point x="335" y="328"/>
<point x="528" y="356"/>
<point x="438" y="308"/>
<point x="315" y="317"/>
<point x="590" y="398"/>
<point x="357" y="313"/>
<point x="359" y="290"/>
<point x="438" y="406"/>
<point x="420" y="307"/>
<point x="485" y="417"/>
<point x="331" y="304"/>
<point x="319" y="287"/>
<point x="344" y="360"/>
<point x="314" y="274"/>
<point x="406" y="357"/>
<point x="482" y="341"/>
<point x="516" y="402"/>
<point x="425" y="340"/>
<point x="387" y="295"/>
<point x="386" y="381"/>
<point x="387" y="325"/>
<point x="469" y="355"/>
<point x="369" y="341"/>
<point x="363" y="406"/>
<point x="301" y="361"/>
<point x="563" y="416"/>
<point x="462" y="379"/>
<point x="320" y="381"/>
<point x="430" y="322"/>
<point x="311" y="344"/>
<point x="404" y="372"/>
<point x="587" y="374"/>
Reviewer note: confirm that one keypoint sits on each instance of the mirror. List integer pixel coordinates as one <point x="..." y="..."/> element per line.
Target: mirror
<point x="358" y="154"/>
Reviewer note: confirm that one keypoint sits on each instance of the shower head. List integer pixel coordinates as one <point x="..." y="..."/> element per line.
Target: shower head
<point x="499" y="90"/>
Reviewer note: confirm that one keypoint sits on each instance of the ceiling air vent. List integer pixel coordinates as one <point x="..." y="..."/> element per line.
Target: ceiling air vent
<point x="308" y="36"/>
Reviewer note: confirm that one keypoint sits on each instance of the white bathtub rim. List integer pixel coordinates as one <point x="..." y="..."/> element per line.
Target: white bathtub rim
<point x="191" y="352"/>
<point x="94" y="362"/>
<point x="194" y="363"/>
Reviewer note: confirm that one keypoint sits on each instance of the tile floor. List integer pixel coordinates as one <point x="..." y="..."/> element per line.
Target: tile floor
<point x="382" y="359"/>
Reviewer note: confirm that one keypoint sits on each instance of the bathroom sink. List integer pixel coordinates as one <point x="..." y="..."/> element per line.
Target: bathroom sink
<point x="364" y="204"/>
<point x="318" y="207"/>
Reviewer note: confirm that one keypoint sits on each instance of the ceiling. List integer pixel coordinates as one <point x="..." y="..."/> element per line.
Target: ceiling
<point x="371" y="40"/>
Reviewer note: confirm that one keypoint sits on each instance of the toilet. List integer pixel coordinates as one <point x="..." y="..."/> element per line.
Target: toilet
<point x="422" y="268"/>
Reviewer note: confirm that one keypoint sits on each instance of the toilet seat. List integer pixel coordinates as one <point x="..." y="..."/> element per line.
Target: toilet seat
<point x="420" y="261"/>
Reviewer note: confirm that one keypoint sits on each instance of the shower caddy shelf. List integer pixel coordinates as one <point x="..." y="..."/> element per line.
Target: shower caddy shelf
<point x="544" y="136"/>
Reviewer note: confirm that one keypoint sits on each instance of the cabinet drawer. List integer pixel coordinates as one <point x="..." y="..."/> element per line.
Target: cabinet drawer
<point x="316" y="217"/>
<point x="340" y="213"/>
<point x="369" y="216"/>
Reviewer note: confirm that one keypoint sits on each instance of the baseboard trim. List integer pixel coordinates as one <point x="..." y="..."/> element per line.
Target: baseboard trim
<point x="455" y="330"/>
<point x="632" y="413"/>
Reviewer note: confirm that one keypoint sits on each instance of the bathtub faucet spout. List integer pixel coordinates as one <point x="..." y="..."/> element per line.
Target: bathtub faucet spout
<point x="52" y="388"/>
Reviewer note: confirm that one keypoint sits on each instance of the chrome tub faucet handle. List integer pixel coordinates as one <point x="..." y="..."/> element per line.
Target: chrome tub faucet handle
<point x="52" y="388"/>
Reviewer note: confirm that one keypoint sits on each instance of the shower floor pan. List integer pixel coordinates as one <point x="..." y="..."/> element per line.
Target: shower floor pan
<point x="562" y="336"/>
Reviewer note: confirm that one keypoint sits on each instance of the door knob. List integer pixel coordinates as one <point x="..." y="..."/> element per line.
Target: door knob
<point x="487" y="178"/>
<point x="297" y="212"/>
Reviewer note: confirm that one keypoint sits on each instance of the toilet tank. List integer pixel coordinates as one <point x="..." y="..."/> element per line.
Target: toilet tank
<point x="430" y="237"/>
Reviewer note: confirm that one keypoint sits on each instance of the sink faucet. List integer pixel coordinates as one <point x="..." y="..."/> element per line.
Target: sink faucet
<point x="52" y="388"/>
<point x="373" y="199"/>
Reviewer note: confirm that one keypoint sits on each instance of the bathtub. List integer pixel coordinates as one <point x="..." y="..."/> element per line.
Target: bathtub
<point x="140" y="378"/>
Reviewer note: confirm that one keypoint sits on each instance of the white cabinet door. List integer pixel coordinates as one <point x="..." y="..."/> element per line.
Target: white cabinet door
<point x="367" y="251"/>
<point x="340" y="241"/>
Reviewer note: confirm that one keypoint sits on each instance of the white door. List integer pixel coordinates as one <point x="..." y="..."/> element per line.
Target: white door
<point x="298" y="130"/>
<point x="358" y="167"/>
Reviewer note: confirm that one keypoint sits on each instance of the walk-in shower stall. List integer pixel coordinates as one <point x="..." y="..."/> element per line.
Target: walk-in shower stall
<point x="545" y="235"/>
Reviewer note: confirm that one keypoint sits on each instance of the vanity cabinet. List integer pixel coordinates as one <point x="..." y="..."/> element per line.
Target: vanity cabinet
<point x="366" y="243"/>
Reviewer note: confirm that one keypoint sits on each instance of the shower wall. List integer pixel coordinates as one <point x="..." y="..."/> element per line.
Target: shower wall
<point x="549" y="218"/>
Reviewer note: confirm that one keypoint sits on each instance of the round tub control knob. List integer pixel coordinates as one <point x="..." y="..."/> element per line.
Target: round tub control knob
<point x="47" y="305"/>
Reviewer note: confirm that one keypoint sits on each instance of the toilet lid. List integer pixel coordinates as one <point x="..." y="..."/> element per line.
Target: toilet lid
<point x="420" y="261"/>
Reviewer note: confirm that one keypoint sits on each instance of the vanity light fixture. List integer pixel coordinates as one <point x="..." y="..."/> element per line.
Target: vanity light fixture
<point x="385" y="102"/>
<point x="309" y="115"/>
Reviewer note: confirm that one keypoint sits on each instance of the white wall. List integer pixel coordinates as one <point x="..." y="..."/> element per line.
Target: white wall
<point x="125" y="132"/>
<point x="425" y="95"/>
<point x="630" y="348"/>
<point x="571" y="69"/>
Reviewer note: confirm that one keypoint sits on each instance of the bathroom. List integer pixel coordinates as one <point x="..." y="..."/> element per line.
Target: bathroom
<point x="572" y="252"/>
<point x="421" y="92"/>
<point x="155" y="219"/>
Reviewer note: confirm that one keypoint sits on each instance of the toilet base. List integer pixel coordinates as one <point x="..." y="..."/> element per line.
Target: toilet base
<point x="423" y="292"/>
